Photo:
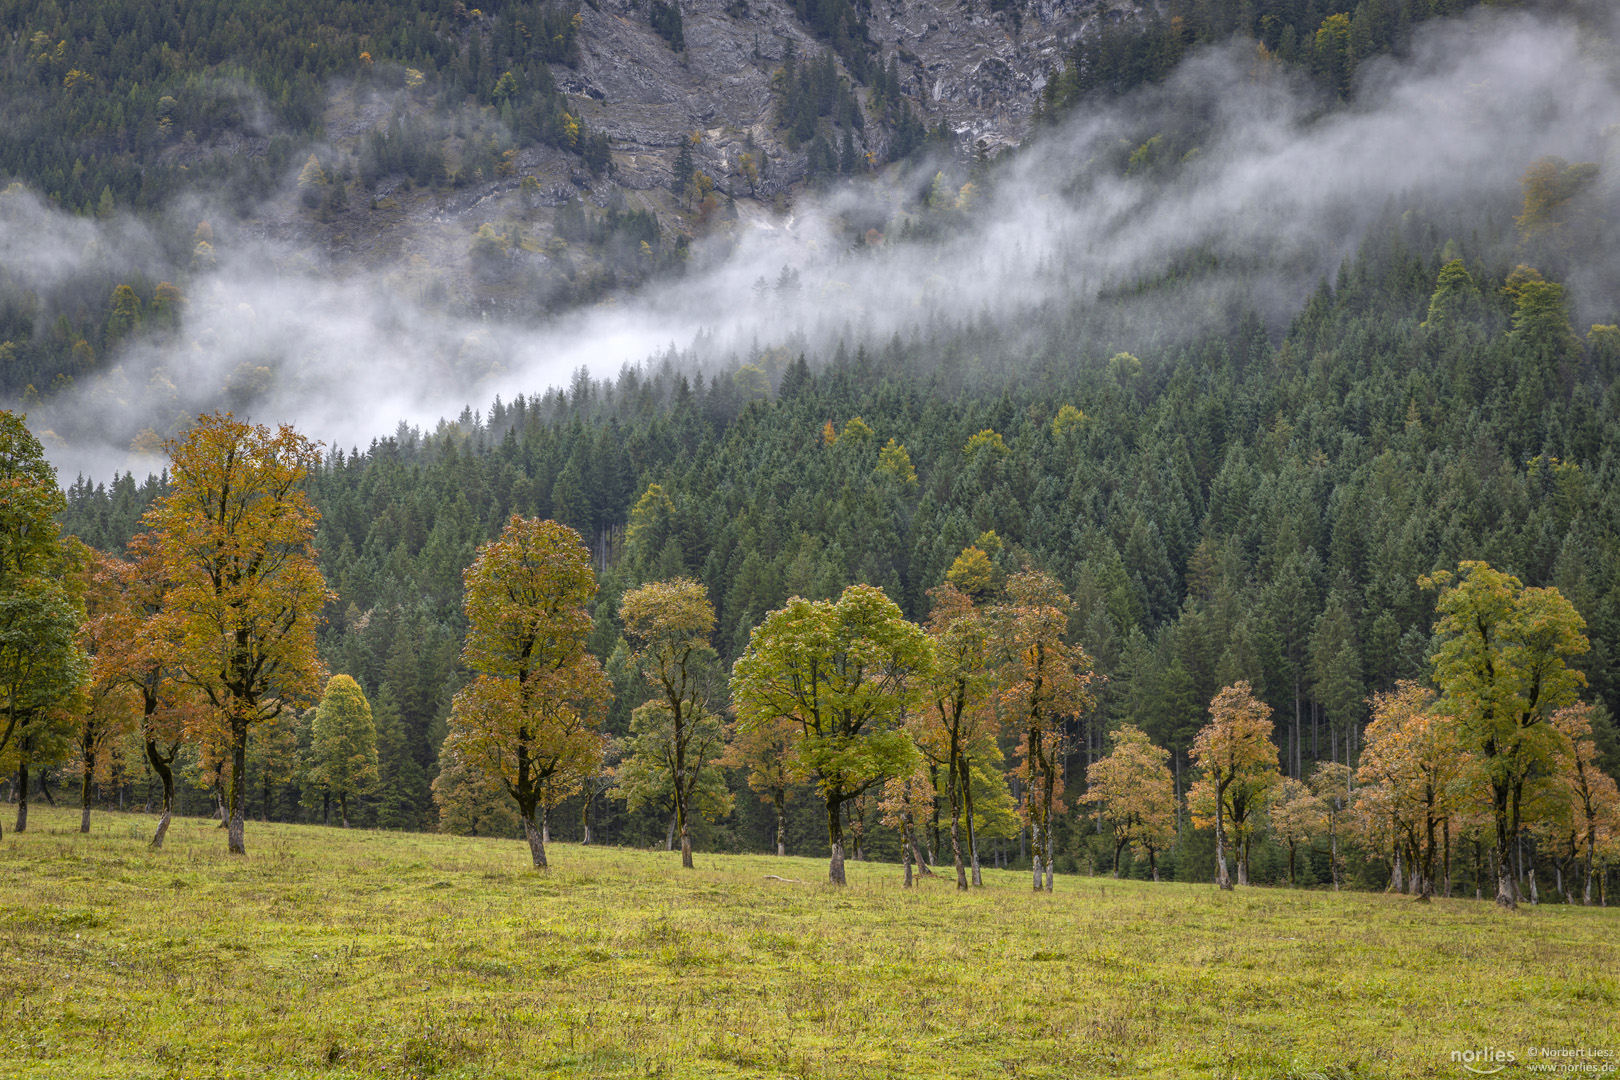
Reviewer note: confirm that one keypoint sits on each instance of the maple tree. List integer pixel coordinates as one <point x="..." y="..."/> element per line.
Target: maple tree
<point x="235" y="535"/>
<point x="1417" y="751"/>
<point x="1594" y="800"/>
<point x="1297" y="815"/>
<point x="1041" y="681"/>
<point x="1135" y="794"/>
<point x="902" y="802"/>
<point x="1239" y="762"/>
<point x="843" y="673"/>
<point x="1501" y="668"/>
<point x="42" y="662"/>
<point x="530" y="716"/>
<point x="138" y="649"/>
<point x="344" y="742"/>
<point x="676" y="736"/>
<point x="764" y="751"/>
<point x="953" y="720"/>
<point x="1330" y="783"/>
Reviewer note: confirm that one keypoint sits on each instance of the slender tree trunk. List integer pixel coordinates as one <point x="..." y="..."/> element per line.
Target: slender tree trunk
<point x="967" y="804"/>
<point x="343" y="808"/>
<point x="835" y="840"/>
<point x="545" y="823"/>
<point x="22" y="797"/>
<point x="1222" y="879"/>
<point x="235" y="841"/>
<point x="955" y="784"/>
<point x="1448" y="857"/>
<point x="1242" y="845"/>
<point x="537" y="841"/>
<point x="87" y="754"/>
<point x="905" y="849"/>
<point x="160" y="765"/>
<point x="1587" y="897"/>
<point x="1046" y="826"/>
<point x="585" y="819"/>
<point x="781" y="821"/>
<point x="669" y="834"/>
<point x="1153" y="863"/>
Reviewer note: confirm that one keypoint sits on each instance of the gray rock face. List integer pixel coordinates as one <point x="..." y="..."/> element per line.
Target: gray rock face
<point x="979" y="72"/>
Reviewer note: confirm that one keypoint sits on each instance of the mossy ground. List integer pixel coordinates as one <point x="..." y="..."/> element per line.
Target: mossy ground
<point x="348" y="954"/>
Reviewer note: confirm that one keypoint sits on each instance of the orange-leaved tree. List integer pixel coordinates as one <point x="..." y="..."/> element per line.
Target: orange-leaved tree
<point x="1416" y="750"/>
<point x="1297" y="815"/>
<point x="953" y="719"/>
<point x="530" y="716"/>
<point x="1501" y="668"/>
<point x="765" y="751"/>
<point x="235" y="535"/>
<point x="1238" y="760"/>
<point x="1042" y="682"/>
<point x="1135" y="793"/>
<point x="1594" y="800"/>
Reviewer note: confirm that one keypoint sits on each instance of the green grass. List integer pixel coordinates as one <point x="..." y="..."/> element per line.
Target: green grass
<point x="326" y="953"/>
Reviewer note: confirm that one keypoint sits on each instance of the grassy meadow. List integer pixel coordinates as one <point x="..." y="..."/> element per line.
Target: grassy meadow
<point x="327" y="953"/>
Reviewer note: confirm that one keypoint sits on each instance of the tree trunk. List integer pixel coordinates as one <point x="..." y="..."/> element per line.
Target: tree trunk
<point x="956" y="826"/>
<point x="1587" y="898"/>
<point x="905" y="851"/>
<point x="1048" y="791"/>
<point x="835" y="840"/>
<point x="1243" y="862"/>
<point x="160" y="765"/>
<point x="686" y="846"/>
<point x="545" y="823"/>
<point x="1507" y="891"/>
<point x="1222" y="879"/>
<point x="87" y="781"/>
<point x="669" y="834"/>
<point x="235" y="841"/>
<point x="1448" y="858"/>
<point x="22" y="797"/>
<point x="967" y="804"/>
<point x="326" y="808"/>
<point x="781" y="821"/>
<point x="585" y="819"/>
<point x="537" y="841"/>
<point x="343" y="809"/>
<point x="1153" y="863"/>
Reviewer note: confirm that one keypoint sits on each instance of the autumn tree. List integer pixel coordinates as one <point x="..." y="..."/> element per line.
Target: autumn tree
<point x="344" y="742"/>
<point x="1501" y="668"/>
<point x="1416" y="750"/>
<point x="530" y="716"/>
<point x="107" y="709"/>
<point x="903" y="802"/>
<point x="1041" y="682"/>
<point x="1134" y="792"/>
<point x="140" y="649"/>
<point x="1330" y="783"/>
<point x="677" y="734"/>
<point x="1593" y="797"/>
<point x="953" y="719"/>
<point x="1297" y="816"/>
<point x="764" y="752"/>
<point x="1238" y="759"/>
<point x="42" y="662"/>
<point x="235" y="534"/>
<point x="843" y="673"/>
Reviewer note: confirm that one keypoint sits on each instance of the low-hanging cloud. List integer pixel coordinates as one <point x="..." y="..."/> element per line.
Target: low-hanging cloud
<point x="1276" y="192"/>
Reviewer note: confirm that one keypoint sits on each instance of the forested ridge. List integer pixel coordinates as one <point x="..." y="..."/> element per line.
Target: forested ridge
<point x="1226" y="509"/>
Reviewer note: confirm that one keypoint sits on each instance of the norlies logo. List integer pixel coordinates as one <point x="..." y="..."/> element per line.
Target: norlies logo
<point x="1485" y="1061"/>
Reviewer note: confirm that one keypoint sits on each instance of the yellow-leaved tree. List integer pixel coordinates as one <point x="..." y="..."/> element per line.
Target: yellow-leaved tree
<point x="235" y="537"/>
<point x="1239" y="763"/>
<point x="1502" y="673"/>
<point x="530" y="716"/>
<point x="676" y="736"/>
<point x="1135" y="793"/>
